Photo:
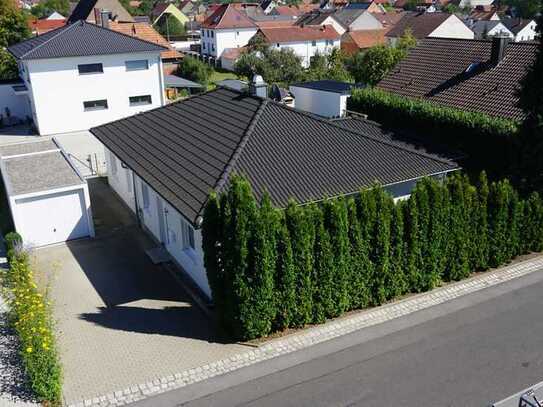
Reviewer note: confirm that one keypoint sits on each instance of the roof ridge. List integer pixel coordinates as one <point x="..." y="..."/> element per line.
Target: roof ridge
<point x="329" y="123"/>
<point x="61" y="30"/>
<point x="242" y="143"/>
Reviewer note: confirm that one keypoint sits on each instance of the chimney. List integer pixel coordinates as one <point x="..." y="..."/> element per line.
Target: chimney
<point x="257" y="87"/>
<point x="499" y="48"/>
<point x="104" y="17"/>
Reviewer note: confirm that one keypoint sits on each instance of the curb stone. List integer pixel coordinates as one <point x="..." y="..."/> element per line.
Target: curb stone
<point x="314" y="335"/>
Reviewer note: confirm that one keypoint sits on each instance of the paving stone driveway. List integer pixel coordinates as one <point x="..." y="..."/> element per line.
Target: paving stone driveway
<point x="122" y="321"/>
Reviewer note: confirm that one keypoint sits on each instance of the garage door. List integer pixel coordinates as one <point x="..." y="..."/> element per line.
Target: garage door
<point x="53" y="218"/>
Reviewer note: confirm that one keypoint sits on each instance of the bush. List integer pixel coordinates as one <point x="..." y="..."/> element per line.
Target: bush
<point x="273" y="269"/>
<point x="470" y="132"/>
<point x="195" y="70"/>
<point x="30" y="315"/>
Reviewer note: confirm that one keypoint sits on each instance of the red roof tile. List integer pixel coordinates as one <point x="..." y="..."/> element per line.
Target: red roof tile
<point x="295" y="33"/>
<point x="228" y="16"/>
<point x="42" y="26"/>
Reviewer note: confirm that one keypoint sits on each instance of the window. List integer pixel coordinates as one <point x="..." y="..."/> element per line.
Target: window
<point x="212" y="34"/>
<point x="313" y="43"/>
<point x="187" y="233"/>
<point x="95" y="105"/>
<point x="89" y="69"/>
<point x="113" y="163"/>
<point x="203" y="45"/>
<point x="329" y="42"/>
<point x="138" y="65"/>
<point x="277" y="45"/>
<point x="140" y="100"/>
<point x="145" y="195"/>
<point x="212" y="47"/>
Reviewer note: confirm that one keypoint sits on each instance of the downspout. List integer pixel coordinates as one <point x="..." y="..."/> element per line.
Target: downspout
<point x="138" y="217"/>
<point x="161" y="80"/>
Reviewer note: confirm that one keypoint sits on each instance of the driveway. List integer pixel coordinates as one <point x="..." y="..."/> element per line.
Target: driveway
<point x="86" y="151"/>
<point x="121" y="320"/>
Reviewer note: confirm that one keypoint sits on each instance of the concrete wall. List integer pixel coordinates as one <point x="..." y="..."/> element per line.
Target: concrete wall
<point x="58" y="90"/>
<point x="327" y="104"/>
<point x="17" y="103"/>
<point x="305" y="50"/>
<point x="222" y="39"/>
<point x="453" y="27"/>
<point x="161" y="220"/>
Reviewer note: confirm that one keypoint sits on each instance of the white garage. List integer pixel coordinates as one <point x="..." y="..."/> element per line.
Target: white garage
<point x="48" y="197"/>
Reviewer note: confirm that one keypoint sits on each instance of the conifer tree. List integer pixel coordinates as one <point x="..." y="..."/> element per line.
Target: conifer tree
<point x="482" y="223"/>
<point x="413" y="257"/>
<point x="260" y="312"/>
<point x="285" y="283"/>
<point x="498" y="209"/>
<point x="335" y="221"/>
<point x="323" y="297"/>
<point x="302" y="233"/>
<point x="396" y="282"/>
<point x="361" y="267"/>
<point x="458" y="256"/>
<point x="380" y="253"/>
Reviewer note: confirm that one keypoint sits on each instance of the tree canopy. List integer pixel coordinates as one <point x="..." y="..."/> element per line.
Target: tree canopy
<point x="169" y="25"/>
<point x="13" y="29"/>
<point x="47" y="7"/>
<point x="524" y="8"/>
<point x="195" y="70"/>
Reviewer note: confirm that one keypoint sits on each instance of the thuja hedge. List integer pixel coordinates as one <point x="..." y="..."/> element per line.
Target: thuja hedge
<point x="31" y="317"/>
<point x="271" y="269"/>
<point x="489" y="142"/>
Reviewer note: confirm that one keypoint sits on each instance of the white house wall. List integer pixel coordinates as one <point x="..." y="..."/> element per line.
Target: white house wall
<point x="58" y="90"/>
<point x="192" y="261"/>
<point x="528" y="33"/>
<point x="334" y="23"/>
<point x="327" y="104"/>
<point x="224" y="38"/>
<point x="18" y="104"/>
<point x="305" y="50"/>
<point x="453" y="27"/>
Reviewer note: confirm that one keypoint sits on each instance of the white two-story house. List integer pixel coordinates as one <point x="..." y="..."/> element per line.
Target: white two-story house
<point x="83" y="75"/>
<point x="226" y="28"/>
<point x="306" y="41"/>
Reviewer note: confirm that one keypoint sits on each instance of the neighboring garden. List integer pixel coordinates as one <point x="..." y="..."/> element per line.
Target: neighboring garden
<point x="271" y="269"/>
<point x="31" y="317"/>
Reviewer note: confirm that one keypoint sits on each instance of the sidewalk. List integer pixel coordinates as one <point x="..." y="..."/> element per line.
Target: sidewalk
<point x="318" y="334"/>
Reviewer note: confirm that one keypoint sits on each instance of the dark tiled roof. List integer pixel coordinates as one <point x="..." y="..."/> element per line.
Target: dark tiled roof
<point x="80" y="39"/>
<point x="348" y="16"/>
<point x="421" y="24"/>
<point x="327" y="86"/>
<point x="189" y="148"/>
<point x="436" y="70"/>
<point x="84" y="10"/>
<point x="314" y="18"/>
<point x="515" y="25"/>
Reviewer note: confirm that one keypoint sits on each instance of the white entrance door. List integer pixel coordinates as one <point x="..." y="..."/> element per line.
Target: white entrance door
<point x="52" y="218"/>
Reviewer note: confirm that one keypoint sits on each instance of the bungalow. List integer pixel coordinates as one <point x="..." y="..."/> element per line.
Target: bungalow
<point x="476" y="75"/>
<point x="165" y="162"/>
<point x="306" y="42"/>
<point x="424" y="25"/>
<point x="93" y="74"/>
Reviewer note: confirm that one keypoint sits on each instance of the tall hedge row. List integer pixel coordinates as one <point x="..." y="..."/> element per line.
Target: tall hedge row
<point x="490" y="143"/>
<point x="270" y="269"/>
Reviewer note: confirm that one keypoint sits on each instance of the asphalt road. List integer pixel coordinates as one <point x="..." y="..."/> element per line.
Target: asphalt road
<point x="472" y="351"/>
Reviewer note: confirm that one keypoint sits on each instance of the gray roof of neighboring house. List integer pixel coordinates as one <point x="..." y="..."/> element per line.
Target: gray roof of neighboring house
<point x="327" y="85"/>
<point x="317" y="17"/>
<point x="80" y="39"/>
<point x="35" y="167"/>
<point x="177" y="82"/>
<point x="482" y="26"/>
<point x="347" y="16"/>
<point x="515" y="25"/>
<point x="187" y="149"/>
<point x="84" y="10"/>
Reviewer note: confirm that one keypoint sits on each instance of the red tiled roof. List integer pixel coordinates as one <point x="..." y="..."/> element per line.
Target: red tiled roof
<point x="275" y="23"/>
<point x="42" y="26"/>
<point x="146" y="32"/>
<point x="353" y="41"/>
<point x="389" y="19"/>
<point x="233" y="53"/>
<point x="295" y="33"/>
<point x="228" y="16"/>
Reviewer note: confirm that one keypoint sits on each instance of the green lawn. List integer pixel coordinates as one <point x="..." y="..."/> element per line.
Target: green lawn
<point x="220" y="75"/>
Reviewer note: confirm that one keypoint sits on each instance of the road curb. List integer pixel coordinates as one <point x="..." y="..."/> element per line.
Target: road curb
<point x="317" y="334"/>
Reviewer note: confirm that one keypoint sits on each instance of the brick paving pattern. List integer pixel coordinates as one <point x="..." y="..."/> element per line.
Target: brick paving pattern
<point x="315" y="335"/>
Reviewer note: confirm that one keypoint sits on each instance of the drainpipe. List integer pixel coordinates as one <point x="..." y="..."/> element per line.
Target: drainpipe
<point x="138" y="217"/>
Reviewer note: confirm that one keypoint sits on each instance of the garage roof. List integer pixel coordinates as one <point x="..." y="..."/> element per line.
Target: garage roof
<point x="35" y="167"/>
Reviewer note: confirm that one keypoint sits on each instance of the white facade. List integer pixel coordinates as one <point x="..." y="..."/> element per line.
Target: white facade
<point x="499" y="29"/>
<point x="307" y="49"/>
<point x="474" y="3"/>
<point x="167" y="226"/>
<point x="330" y="20"/>
<point x="58" y="91"/>
<point x="215" y="41"/>
<point x="322" y="103"/>
<point x="15" y="100"/>
<point x="528" y="33"/>
<point x="453" y="27"/>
